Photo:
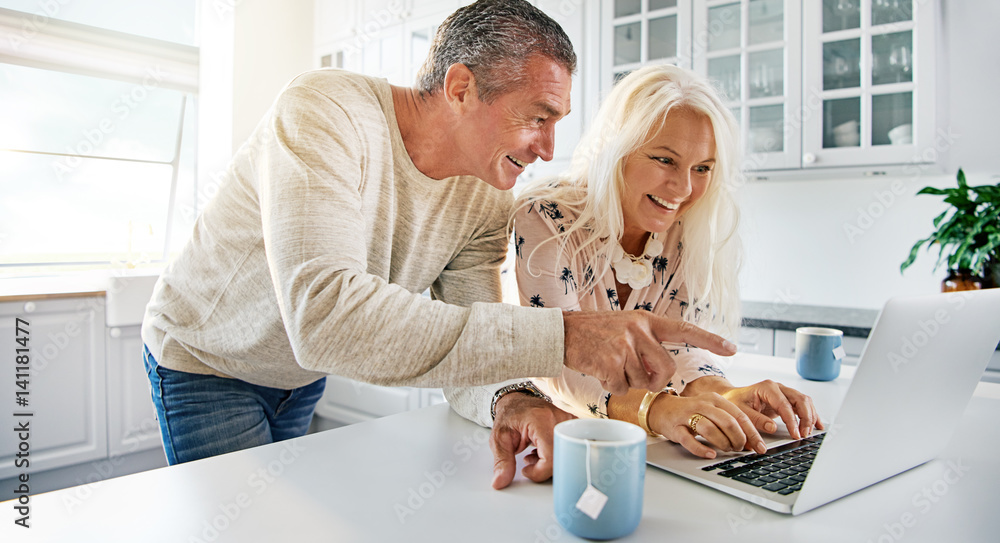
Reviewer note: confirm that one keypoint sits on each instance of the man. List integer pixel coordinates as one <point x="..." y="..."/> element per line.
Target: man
<point x="350" y="199"/>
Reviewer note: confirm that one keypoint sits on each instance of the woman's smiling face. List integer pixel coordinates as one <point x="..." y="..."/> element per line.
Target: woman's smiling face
<point x="667" y="175"/>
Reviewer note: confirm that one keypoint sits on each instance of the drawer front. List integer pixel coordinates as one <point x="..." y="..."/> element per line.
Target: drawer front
<point x="756" y="341"/>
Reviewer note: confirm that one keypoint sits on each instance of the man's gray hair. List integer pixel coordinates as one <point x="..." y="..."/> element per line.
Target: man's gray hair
<point x="494" y="38"/>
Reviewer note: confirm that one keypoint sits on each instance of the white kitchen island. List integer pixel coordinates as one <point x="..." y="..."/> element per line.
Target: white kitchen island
<point x="425" y="476"/>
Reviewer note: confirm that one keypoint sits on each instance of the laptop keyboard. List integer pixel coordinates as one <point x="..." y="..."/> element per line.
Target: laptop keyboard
<point x="781" y="469"/>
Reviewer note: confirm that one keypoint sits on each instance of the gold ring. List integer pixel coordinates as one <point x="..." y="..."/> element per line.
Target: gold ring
<point x="693" y="422"/>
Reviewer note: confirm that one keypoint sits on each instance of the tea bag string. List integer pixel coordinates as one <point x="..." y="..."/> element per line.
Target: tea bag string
<point x="588" y="464"/>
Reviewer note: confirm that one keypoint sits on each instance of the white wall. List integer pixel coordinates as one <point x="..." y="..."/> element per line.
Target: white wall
<point x="799" y="241"/>
<point x="273" y="44"/>
<point x="249" y="50"/>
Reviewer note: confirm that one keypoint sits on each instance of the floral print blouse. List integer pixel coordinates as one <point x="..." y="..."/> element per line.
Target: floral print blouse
<point x="545" y="282"/>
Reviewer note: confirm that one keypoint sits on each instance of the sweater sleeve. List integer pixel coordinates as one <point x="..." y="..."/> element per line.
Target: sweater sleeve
<point x="340" y="319"/>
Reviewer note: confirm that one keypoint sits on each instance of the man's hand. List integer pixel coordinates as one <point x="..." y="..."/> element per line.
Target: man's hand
<point x="622" y="348"/>
<point x="523" y="420"/>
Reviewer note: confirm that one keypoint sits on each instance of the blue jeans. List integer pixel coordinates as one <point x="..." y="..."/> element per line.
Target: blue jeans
<point x="204" y="415"/>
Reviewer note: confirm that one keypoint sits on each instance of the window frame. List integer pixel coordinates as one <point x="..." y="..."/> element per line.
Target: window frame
<point x="41" y="42"/>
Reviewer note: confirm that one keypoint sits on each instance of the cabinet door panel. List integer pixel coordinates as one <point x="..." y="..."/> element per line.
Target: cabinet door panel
<point x="350" y="401"/>
<point x="67" y="383"/>
<point x="752" y="49"/>
<point x="132" y="425"/>
<point x="756" y="341"/>
<point x="868" y="72"/>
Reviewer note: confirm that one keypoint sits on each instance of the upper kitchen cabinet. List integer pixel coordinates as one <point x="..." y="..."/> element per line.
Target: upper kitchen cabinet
<point x="869" y="82"/>
<point x="635" y="33"/>
<point x="751" y="49"/>
<point x="815" y="85"/>
<point x="382" y="38"/>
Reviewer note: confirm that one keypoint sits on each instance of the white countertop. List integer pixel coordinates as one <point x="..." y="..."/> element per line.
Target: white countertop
<point x="425" y="475"/>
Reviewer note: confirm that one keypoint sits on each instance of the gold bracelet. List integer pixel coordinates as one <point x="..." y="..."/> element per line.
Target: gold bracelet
<point x="647" y="401"/>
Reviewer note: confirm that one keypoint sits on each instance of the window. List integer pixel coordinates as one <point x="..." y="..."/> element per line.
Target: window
<point x="97" y="148"/>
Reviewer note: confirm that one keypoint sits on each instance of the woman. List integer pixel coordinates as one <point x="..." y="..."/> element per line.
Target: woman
<point x="645" y="219"/>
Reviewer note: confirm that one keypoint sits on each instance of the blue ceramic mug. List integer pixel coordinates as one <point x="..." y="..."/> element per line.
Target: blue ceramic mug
<point x="818" y="352"/>
<point x="610" y="457"/>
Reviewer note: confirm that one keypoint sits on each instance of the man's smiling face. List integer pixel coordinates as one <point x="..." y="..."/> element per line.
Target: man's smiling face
<point x="503" y="137"/>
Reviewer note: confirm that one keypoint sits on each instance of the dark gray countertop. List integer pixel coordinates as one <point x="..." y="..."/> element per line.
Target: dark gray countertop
<point x="783" y="316"/>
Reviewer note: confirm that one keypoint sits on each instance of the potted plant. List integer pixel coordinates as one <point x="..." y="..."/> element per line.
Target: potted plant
<point x="969" y="238"/>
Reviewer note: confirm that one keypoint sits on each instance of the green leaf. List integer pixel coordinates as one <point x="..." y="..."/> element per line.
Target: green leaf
<point x="913" y="254"/>
<point x="961" y="179"/>
<point x="937" y="220"/>
<point x="937" y="191"/>
<point x="961" y="201"/>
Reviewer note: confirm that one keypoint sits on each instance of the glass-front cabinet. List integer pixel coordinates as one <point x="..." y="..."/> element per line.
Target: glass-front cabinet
<point x="750" y="49"/>
<point x="868" y="78"/>
<point x="814" y="84"/>
<point x="641" y="32"/>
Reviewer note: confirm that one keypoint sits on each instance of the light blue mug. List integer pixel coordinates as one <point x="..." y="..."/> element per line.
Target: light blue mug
<point x="608" y="455"/>
<point x="818" y="352"/>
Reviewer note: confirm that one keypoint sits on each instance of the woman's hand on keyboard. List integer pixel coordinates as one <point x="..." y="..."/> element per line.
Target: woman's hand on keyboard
<point x="723" y="424"/>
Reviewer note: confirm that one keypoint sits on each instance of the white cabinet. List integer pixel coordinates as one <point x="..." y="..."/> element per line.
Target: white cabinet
<point x="869" y="75"/>
<point x="348" y="401"/>
<point x="132" y="425"/>
<point x="815" y="85"/>
<point x="756" y="341"/>
<point x="335" y="20"/>
<point x="639" y="32"/>
<point x="382" y="38"/>
<point x="752" y="50"/>
<point x="67" y="386"/>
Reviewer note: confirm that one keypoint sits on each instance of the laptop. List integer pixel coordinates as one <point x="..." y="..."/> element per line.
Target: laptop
<point x="922" y="348"/>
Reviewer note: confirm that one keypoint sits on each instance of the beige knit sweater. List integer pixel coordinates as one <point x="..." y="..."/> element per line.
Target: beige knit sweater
<point x="311" y="259"/>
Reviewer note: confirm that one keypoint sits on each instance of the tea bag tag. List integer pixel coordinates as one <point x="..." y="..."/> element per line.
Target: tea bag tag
<point x="839" y="353"/>
<point x="592" y="502"/>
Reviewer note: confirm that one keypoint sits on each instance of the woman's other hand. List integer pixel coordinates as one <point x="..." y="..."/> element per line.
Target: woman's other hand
<point x="722" y="424"/>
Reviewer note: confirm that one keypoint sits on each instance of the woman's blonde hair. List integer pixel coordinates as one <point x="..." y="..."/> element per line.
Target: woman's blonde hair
<point x="632" y="114"/>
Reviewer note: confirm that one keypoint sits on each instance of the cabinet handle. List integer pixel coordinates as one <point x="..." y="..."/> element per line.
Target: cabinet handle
<point x="116" y="332"/>
<point x="29" y="307"/>
<point x="809" y="158"/>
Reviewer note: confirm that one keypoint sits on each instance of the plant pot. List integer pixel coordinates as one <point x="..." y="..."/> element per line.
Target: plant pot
<point x="991" y="272"/>
<point x="961" y="280"/>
